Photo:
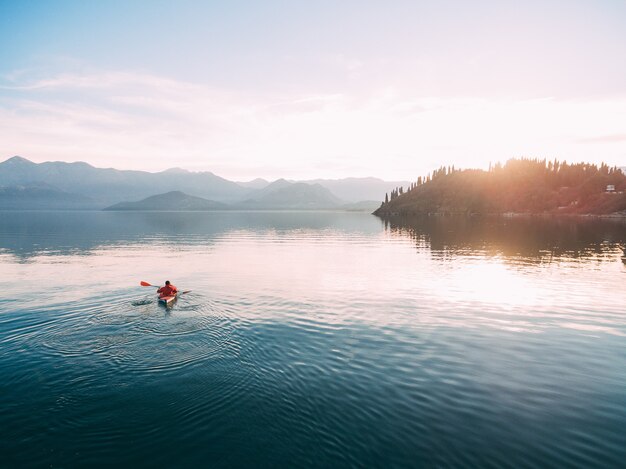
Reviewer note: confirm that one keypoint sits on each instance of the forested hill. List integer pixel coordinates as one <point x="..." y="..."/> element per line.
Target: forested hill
<point x="520" y="186"/>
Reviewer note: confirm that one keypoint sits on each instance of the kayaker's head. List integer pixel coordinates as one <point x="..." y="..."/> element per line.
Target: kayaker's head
<point x="167" y="282"/>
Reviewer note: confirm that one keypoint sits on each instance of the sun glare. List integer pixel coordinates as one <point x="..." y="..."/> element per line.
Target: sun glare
<point x="494" y="282"/>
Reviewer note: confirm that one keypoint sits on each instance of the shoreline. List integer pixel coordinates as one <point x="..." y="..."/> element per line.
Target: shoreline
<point x="614" y="216"/>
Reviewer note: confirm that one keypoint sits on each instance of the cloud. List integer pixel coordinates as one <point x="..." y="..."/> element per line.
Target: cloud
<point x="97" y="81"/>
<point x="604" y="139"/>
<point x="141" y="121"/>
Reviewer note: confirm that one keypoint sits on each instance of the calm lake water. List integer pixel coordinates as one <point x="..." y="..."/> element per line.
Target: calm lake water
<point x="311" y="340"/>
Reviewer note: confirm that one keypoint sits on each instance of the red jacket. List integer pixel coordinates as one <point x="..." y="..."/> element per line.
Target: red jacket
<point x="167" y="290"/>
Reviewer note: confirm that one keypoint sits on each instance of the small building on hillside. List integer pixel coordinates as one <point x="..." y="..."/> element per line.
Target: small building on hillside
<point x="610" y="188"/>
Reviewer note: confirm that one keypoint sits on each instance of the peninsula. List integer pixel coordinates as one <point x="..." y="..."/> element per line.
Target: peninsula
<point x="529" y="186"/>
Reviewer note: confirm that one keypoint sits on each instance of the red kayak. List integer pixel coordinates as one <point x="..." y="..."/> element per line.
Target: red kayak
<point x="167" y="300"/>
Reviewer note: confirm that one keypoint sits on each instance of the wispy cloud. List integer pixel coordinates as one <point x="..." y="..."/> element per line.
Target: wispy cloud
<point x="142" y="121"/>
<point x="102" y="80"/>
<point x="604" y="139"/>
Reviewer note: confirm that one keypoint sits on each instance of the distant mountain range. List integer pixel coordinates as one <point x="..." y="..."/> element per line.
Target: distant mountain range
<point x="40" y="196"/>
<point x="298" y="196"/>
<point x="60" y="185"/>
<point x="282" y="194"/>
<point x="108" y="186"/>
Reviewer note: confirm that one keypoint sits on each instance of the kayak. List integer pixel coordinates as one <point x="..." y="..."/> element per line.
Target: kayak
<point x="167" y="300"/>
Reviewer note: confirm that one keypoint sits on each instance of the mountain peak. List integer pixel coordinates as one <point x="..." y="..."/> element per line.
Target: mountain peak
<point x="172" y="194"/>
<point x="282" y="182"/>
<point x="257" y="183"/>
<point x="18" y="160"/>
<point x="176" y="171"/>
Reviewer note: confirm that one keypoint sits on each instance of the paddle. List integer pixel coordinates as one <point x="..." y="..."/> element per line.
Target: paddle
<point x="146" y="284"/>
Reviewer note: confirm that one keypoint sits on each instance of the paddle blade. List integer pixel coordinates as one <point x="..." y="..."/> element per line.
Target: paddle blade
<point x="145" y="284"/>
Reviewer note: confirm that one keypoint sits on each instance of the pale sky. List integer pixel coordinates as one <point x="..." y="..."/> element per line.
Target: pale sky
<point x="307" y="89"/>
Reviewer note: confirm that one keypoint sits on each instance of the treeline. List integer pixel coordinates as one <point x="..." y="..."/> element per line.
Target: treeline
<point x="520" y="185"/>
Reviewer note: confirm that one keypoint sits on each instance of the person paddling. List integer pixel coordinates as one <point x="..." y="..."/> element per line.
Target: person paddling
<point x="167" y="290"/>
